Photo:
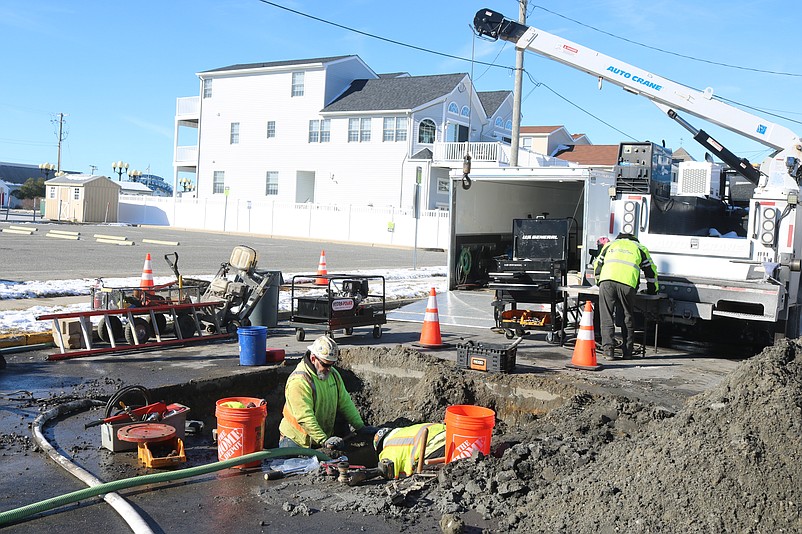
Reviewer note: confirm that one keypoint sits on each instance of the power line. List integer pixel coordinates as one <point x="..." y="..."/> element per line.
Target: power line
<point x="379" y="37"/>
<point x="657" y="49"/>
<point x="580" y="108"/>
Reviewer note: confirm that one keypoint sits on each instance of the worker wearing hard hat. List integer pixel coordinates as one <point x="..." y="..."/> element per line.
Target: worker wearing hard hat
<point x="315" y="395"/>
<point x="617" y="271"/>
<point x="404" y="446"/>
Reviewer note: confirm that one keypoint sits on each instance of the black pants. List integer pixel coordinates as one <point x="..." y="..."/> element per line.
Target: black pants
<point x="616" y="299"/>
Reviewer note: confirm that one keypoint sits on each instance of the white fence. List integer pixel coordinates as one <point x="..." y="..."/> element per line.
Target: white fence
<point x="357" y="224"/>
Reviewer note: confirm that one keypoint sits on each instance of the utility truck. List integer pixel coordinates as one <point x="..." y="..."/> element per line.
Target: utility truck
<point x="722" y="262"/>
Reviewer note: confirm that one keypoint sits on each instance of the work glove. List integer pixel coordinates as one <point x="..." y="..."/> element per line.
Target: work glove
<point x="367" y="430"/>
<point x="335" y="443"/>
<point x="650" y="289"/>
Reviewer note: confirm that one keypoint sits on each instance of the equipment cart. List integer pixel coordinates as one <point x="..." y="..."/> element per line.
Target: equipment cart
<point x="349" y="301"/>
<point x="534" y="274"/>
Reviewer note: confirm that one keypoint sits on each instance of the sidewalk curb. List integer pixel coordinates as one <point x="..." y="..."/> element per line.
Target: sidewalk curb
<point x="24" y="339"/>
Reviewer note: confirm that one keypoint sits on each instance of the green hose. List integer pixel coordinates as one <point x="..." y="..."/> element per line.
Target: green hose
<point x="48" y="504"/>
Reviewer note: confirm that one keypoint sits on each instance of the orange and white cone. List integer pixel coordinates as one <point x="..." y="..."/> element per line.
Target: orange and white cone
<point x="585" y="348"/>
<point x="430" y="333"/>
<point x="321" y="270"/>
<point x="146" y="282"/>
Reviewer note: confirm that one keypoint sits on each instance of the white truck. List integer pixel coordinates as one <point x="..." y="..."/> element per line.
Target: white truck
<point x="718" y="264"/>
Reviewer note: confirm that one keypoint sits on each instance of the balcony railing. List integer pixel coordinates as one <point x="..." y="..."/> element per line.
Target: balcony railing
<point x="479" y="152"/>
<point x="186" y="156"/>
<point x="188" y="106"/>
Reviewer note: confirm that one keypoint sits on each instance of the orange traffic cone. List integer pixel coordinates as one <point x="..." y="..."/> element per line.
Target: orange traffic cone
<point x="321" y="270"/>
<point x="146" y="282"/>
<point x="585" y="347"/>
<point x="430" y="333"/>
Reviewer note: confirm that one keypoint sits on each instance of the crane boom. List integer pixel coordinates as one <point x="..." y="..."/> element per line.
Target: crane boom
<point x="669" y="94"/>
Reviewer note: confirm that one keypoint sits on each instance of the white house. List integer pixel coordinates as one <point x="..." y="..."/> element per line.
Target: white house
<point x="332" y="131"/>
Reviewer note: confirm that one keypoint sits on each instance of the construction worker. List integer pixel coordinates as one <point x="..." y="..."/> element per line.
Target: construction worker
<point x="315" y="396"/>
<point x="617" y="271"/>
<point x="403" y="446"/>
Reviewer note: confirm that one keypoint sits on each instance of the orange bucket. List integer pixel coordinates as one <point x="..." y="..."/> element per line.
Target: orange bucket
<point x="240" y="431"/>
<point x="468" y="428"/>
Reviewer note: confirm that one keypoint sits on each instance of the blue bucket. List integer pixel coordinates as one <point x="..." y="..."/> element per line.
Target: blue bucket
<point x="252" y="345"/>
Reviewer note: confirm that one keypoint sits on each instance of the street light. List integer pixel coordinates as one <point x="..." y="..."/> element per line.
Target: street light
<point x="47" y="168"/>
<point x="186" y="184"/>
<point x="134" y="176"/>
<point x="119" y="167"/>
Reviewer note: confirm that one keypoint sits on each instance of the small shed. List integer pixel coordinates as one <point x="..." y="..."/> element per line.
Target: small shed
<point x="82" y="198"/>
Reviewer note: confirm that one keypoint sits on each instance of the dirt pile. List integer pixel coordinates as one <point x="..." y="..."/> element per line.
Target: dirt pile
<point x="730" y="459"/>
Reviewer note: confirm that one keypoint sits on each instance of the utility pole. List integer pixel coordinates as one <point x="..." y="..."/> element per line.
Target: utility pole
<point x="60" y="139"/>
<point x="516" y="93"/>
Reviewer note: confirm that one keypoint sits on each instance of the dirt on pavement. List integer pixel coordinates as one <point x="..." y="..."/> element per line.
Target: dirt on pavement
<point x="564" y="459"/>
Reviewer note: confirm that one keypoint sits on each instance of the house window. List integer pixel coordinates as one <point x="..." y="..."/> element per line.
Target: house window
<point x="453" y="108"/>
<point x="320" y="131"/>
<point x="466" y="111"/>
<point x="395" y="129"/>
<point x="426" y="131"/>
<point x="219" y="182"/>
<point x="271" y="129"/>
<point x="508" y="125"/>
<point x="358" y="130"/>
<point x="52" y="192"/>
<point x="499" y="122"/>
<point x="76" y="193"/>
<point x="314" y="131"/>
<point x="271" y="183"/>
<point x="234" y="133"/>
<point x="298" y="84"/>
<point x="207" y="88"/>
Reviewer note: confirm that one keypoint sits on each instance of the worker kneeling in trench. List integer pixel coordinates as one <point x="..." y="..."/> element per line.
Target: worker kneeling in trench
<point x="404" y="446"/>
<point x="315" y="397"/>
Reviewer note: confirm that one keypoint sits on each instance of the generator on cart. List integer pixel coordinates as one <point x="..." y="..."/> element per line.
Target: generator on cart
<point x="532" y="274"/>
<point x="349" y="301"/>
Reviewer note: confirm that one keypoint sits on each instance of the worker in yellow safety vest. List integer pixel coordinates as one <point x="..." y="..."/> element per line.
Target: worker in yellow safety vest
<point x="617" y="270"/>
<point x="314" y="396"/>
<point x="405" y="445"/>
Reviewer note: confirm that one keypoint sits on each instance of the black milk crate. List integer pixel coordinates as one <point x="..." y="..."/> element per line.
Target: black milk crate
<point x="486" y="357"/>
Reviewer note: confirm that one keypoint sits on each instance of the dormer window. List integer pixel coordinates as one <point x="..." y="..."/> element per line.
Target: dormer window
<point x="426" y="131"/>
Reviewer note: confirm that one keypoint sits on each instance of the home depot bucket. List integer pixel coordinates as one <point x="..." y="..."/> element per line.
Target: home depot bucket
<point x="468" y="428"/>
<point x="252" y="345"/>
<point x="240" y="430"/>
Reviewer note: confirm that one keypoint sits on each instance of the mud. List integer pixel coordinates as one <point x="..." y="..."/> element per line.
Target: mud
<point x="729" y="460"/>
<point x="563" y="458"/>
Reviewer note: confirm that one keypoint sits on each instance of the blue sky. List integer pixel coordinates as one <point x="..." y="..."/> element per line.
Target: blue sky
<point x="115" y="69"/>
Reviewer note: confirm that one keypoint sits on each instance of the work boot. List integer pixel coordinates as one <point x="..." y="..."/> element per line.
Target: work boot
<point x="629" y="352"/>
<point x="609" y="353"/>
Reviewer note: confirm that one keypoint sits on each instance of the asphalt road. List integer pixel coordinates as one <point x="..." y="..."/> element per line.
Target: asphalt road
<point x="38" y="257"/>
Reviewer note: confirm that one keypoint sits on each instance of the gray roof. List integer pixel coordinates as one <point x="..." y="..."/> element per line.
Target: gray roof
<point x="286" y="63"/>
<point x="77" y="179"/>
<point x="394" y="93"/>
<point x="492" y="100"/>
